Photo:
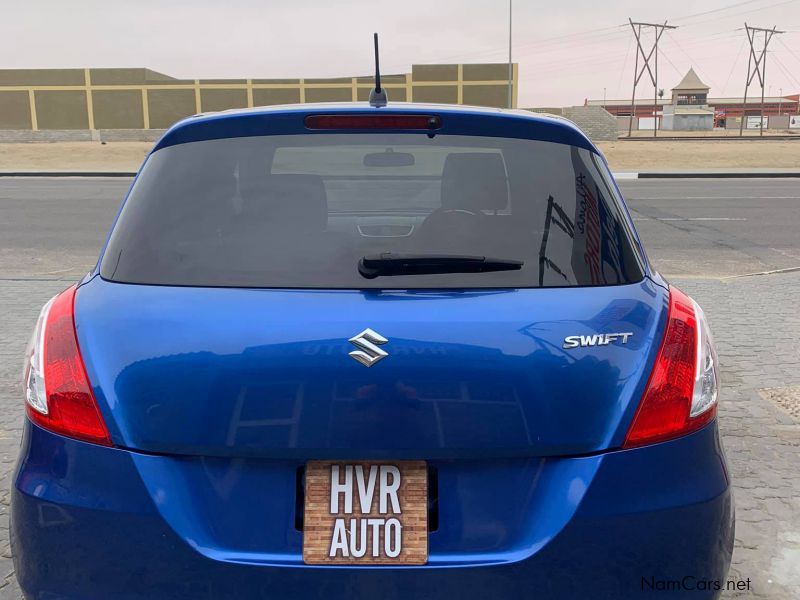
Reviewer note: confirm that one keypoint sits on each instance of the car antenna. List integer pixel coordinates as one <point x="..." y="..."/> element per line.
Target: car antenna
<point x="377" y="96"/>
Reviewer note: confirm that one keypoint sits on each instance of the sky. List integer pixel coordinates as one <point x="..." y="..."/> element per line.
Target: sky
<point x="567" y="51"/>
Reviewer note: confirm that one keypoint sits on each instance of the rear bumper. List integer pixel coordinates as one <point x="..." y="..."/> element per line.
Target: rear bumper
<point x="88" y="522"/>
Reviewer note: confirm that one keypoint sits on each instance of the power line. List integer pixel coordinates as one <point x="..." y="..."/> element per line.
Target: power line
<point x="600" y="34"/>
<point x="537" y="52"/>
<point x="596" y="35"/>
<point x="789" y="78"/>
<point x="782" y="43"/>
<point x="588" y="36"/>
<point x="610" y="60"/>
<point x="671" y="63"/>
<point x="711" y="39"/>
<point x="607" y="53"/>
<point x="658" y="31"/>
<point x="528" y="48"/>
<point x="785" y="70"/>
<point x="735" y="62"/>
<point x="759" y="64"/>
<point x="624" y="64"/>
<point x="715" y="10"/>
<point x="691" y="60"/>
<point x="744" y="12"/>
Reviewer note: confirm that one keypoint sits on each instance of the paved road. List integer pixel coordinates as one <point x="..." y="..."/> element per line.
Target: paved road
<point x="691" y="228"/>
<point x="717" y="228"/>
<point x="705" y="234"/>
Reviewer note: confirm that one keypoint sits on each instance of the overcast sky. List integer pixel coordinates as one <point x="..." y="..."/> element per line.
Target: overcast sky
<point x="567" y="50"/>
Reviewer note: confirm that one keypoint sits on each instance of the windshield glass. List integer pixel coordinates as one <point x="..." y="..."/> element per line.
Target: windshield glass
<point x="302" y="211"/>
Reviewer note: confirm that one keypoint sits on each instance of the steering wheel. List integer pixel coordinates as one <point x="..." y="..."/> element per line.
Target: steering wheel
<point x="450" y="221"/>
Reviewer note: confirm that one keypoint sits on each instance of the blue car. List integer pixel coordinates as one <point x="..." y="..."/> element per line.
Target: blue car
<point x="356" y="351"/>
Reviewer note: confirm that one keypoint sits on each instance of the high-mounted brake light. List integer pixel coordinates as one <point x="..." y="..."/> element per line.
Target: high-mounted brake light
<point x="681" y="395"/>
<point x="382" y="121"/>
<point x="57" y="391"/>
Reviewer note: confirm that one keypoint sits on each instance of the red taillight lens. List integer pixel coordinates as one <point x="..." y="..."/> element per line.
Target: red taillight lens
<point x="384" y="121"/>
<point x="675" y="391"/>
<point x="59" y="396"/>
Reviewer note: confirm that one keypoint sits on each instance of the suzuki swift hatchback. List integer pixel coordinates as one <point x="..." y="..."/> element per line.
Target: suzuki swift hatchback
<point x="340" y="351"/>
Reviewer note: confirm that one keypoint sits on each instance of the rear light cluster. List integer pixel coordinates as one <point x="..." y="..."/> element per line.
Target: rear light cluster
<point x="372" y="121"/>
<point x="57" y="391"/>
<point x="681" y="395"/>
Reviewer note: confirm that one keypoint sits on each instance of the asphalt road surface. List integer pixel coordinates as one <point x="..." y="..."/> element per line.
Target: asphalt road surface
<point x="732" y="244"/>
<point x="54" y="228"/>
<point x="715" y="228"/>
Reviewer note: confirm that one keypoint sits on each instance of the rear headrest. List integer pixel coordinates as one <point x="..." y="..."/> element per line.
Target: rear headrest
<point x="474" y="181"/>
<point x="289" y="202"/>
<point x="211" y="188"/>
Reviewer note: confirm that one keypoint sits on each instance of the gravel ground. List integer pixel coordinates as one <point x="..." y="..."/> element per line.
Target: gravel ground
<point x="622" y="155"/>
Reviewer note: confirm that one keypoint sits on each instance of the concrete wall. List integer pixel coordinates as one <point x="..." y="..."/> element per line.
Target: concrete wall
<point x="164" y="107"/>
<point x="447" y="94"/>
<point x="623" y="123"/>
<point x="118" y="109"/>
<point x="56" y="109"/>
<point x="40" y="77"/>
<point x="15" y="110"/>
<point x="276" y="96"/>
<point x="778" y="122"/>
<point x="477" y="84"/>
<point x="80" y="135"/>
<point x="596" y="122"/>
<point x="691" y="122"/>
<point x="548" y="110"/>
<point x="115" y="99"/>
<point x="222" y="99"/>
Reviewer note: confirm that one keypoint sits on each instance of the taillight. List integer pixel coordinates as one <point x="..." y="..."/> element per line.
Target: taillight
<point x="681" y="395"/>
<point x="373" y="121"/>
<point x="57" y="392"/>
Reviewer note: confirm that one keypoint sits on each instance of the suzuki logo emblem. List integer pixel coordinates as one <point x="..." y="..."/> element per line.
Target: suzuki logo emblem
<point x="368" y="342"/>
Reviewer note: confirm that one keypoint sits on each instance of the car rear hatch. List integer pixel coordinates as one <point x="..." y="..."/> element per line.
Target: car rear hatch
<point x="241" y="372"/>
<point x="289" y="295"/>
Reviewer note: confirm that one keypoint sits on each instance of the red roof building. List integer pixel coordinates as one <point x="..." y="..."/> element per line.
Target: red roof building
<point x="691" y="91"/>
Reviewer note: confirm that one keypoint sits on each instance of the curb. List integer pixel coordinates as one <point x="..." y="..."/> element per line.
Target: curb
<point x="710" y="138"/>
<point x="707" y="175"/>
<point x="67" y="173"/>
<point x="621" y="176"/>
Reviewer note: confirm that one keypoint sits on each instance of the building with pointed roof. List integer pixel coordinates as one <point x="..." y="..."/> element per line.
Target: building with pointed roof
<point x="689" y="110"/>
<point x="690" y="91"/>
<point x="690" y="99"/>
<point x="691" y="81"/>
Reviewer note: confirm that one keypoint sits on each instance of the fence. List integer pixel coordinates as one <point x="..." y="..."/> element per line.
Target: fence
<point x="88" y="99"/>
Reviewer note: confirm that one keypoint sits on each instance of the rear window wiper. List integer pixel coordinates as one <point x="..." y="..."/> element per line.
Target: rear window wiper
<point x="388" y="264"/>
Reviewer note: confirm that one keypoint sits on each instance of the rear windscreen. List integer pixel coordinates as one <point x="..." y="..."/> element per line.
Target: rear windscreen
<point x="301" y="211"/>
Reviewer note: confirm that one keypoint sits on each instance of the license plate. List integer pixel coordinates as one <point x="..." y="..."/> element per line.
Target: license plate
<point x="366" y="513"/>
